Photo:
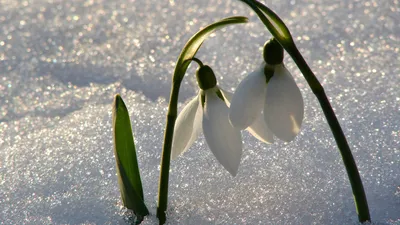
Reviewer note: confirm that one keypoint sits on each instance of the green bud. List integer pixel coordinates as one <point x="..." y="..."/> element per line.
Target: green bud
<point x="273" y="52"/>
<point x="269" y="72"/>
<point x="205" y="77"/>
<point x="203" y="98"/>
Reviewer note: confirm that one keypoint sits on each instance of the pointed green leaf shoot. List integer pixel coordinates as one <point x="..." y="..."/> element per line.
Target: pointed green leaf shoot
<point x="125" y="156"/>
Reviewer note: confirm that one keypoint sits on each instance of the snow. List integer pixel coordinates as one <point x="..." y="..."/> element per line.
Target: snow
<point x="61" y="63"/>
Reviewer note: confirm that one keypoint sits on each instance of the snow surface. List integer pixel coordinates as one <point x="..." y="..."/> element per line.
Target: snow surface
<point x="61" y="63"/>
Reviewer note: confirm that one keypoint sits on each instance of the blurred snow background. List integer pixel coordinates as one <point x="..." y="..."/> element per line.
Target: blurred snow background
<point x="61" y="63"/>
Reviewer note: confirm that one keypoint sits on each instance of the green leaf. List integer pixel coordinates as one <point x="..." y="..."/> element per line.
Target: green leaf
<point x="272" y="21"/>
<point x="193" y="45"/>
<point x="125" y="155"/>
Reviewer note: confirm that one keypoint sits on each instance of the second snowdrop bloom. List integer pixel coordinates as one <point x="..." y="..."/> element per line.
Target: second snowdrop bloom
<point x="269" y="92"/>
<point x="208" y="111"/>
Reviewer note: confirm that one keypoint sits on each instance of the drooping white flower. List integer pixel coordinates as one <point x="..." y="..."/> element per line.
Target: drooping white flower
<point x="269" y="94"/>
<point x="209" y="112"/>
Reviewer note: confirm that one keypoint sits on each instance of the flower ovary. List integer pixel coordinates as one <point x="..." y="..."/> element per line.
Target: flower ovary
<point x="268" y="72"/>
<point x="273" y="52"/>
<point x="206" y="78"/>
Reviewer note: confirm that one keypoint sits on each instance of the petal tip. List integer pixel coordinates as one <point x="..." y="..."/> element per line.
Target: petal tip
<point x="233" y="173"/>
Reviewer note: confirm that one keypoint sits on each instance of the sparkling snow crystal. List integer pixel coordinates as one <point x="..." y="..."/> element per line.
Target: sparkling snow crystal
<point x="61" y="63"/>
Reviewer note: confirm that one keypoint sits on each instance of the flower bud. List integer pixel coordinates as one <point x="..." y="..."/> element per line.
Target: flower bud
<point x="273" y="52"/>
<point x="205" y="77"/>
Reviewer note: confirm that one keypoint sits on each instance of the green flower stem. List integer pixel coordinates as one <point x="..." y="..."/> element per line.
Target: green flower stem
<point x="281" y="33"/>
<point x="348" y="159"/>
<point x="184" y="59"/>
<point x="166" y="156"/>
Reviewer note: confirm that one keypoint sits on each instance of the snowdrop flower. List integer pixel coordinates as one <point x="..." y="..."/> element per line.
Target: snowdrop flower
<point x="208" y="111"/>
<point x="269" y="95"/>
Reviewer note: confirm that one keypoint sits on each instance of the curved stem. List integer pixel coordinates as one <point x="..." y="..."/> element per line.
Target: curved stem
<point x="198" y="61"/>
<point x="279" y="30"/>
<point x="360" y="199"/>
<point x="184" y="59"/>
<point x="166" y="152"/>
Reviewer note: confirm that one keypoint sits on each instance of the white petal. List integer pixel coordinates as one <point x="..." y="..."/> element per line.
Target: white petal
<point x="222" y="138"/>
<point x="187" y="127"/>
<point x="248" y="99"/>
<point x="284" y="107"/>
<point x="260" y="130"/>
